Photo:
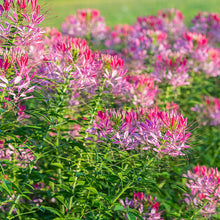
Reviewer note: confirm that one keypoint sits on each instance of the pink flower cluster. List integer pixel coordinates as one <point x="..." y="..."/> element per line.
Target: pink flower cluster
<point x="207" y="24"/>
<point x="201" y="56"/>
<point x="166" y="36"/>
<point x="208" y="111"/>
<point x="20" y="155"/>
<point x="70" y="61"/>
<point x="21" y="25"/>
<point x="204" y="186"/>
<point x="16" y="75"/>
<point x="171" y="68"/>
<point x="18" y="32"/>
<point x="159" y="131"/>
<point x="173" y="22"/>
<point x="143" y="89"/>
<point x="86" y="24"/>
<point x="147" y="206"/>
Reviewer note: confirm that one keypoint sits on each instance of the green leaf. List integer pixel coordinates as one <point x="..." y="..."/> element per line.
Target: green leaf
<point x="178" y="187"/>
<point x="92" y="189"/>
<point x="57" y="165"/>
<point x="62" y="186"/>
<point x="131" y="216"/>
<point x="80" y="183"/>
<point x="32" y="126"/>
<point x="51" y="184"/>
<point x="61" y="199"/>
<point x="6" y="185"/>
<point x="50" y="209"/>
<point x="136" y="214"/>
<point x="119" y="208"/>
<point x="38" y="115"/>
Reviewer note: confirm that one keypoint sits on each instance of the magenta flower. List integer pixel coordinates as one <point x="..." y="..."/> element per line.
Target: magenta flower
<point x="21" y="25"/>
<point x="204" y="186"/>
<point x="191" y="43"/>
<point x="171" y="68"/>
<point x="211" y="66"/>
<point x="173" y="22"/>
<point x="70" y="61"/>
<point x="207" y="24"/>
<point x="86" y="23"/>
<point x="201" y="57"/>
<point x="16" y="76"/>
<point x="147" y="206"/>
<point x="161" y="132"/>
<point x="208" y="111"/>
<point x="118" y="36"/>
<point x="143" y="90"/>
<point x="19" y="154"/>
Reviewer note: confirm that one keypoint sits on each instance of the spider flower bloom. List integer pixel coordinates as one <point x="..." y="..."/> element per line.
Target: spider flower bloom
<point x="147" y="206"/>
<point x="164" y="132"/>
<point x="191" y="43"/>
<point x="149" y="23"/>
<point x="209" y="111"/>
<point x="201" y="57"/>
<point x="118" y="37"/>
<point x="21" y="25"/>
<point x="211" y="66"/>
<point x="143" y="90"/>
<point x="172" y="69"/>
<point x="21" y="155"/>
<point x="117" y="127"/>
<point x="16" y="76"/>
<point x="70" y="59"/>
<point x="172" y="21"/>
<point x="207" y="24"/>
<point x="86" y="23"/>
<point x="204" y="186"/>
<point x="161" y="132"/>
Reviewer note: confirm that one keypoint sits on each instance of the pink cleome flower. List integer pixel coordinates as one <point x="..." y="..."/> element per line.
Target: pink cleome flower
<point x="158" y="131"/>
<point x="87" y="22"/>
<point x="209" y="111"/>
<point x="147" y="206"/>
<point x="204" y="186"/>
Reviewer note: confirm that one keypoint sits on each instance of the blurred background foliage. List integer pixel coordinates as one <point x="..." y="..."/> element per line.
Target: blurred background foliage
<point x="123" y="11"/>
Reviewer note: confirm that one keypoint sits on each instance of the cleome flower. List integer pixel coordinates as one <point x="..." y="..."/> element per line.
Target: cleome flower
<point x="20" y="27"/>
<point x="147" y="206"/>
<point x="209" y="111"/>
<point x="20" y="154"/>
<point x="158" y="131"/>
<point x="207" y="24"/>
<point x="16" y="76"/>
<point x="87" y="23"/>
<point x="70" y="61"/>
<point x="143" y="90"/>
<point x="171" y="68"/>
<point x="204" y="186"/>
<point x="172" y="21"/>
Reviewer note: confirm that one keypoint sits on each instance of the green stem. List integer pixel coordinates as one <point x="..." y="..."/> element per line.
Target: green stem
<point x="3" y="94"/>
<point x="13" y="206"/>
<point x="123" y="190"/>
<point x="74" y="184"/>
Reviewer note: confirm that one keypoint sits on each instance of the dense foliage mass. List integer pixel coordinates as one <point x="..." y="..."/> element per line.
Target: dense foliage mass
<point x="109" y="123"/>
